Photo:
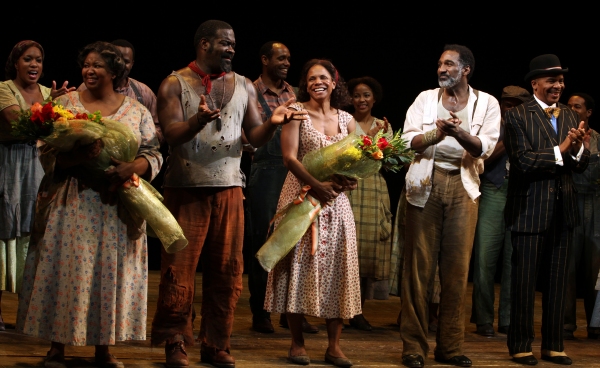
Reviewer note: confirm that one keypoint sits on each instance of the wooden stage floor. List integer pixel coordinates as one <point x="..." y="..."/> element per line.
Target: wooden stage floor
<point x="381" y="347"/>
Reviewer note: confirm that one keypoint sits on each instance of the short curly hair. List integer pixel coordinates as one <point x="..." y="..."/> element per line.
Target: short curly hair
<point x="18" y="50"/>
<point x="369" y="81"/>
<point x="340" y="96"/>
<point x="208" y="30"/>
<point x="111" y="56"/>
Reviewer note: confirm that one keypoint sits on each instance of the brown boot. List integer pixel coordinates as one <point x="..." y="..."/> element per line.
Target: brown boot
<point x="217" y="357"/>
<point x="175" y="355"/>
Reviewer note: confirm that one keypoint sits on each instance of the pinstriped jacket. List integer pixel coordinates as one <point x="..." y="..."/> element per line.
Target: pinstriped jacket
<point x="532" y="183"/>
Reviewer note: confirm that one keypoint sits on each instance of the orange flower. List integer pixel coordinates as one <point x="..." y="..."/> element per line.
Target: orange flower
<point x="377" y="155"/>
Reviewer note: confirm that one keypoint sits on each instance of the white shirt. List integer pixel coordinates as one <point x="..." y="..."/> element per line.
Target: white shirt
<point x="484" y="123"/>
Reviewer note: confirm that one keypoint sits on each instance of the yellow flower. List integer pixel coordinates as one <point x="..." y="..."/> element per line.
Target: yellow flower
<point x="60" y="110"/>
<point x="353" y="153"/>
<point x="377" y="155"/>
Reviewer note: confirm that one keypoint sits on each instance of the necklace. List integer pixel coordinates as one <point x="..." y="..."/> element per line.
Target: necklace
<point x="205" y="78"/>
<point x="219" y="122"/>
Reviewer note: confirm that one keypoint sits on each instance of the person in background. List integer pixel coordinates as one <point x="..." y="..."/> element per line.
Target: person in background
<point x="267" y="176"/>
<point x="491" y="237"/>
<point x="584" y="255"/>
<point x="370" y="203"/>
<point x="20" y="168"/>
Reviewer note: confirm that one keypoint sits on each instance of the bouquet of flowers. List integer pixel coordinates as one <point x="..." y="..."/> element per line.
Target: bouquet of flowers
<point x="354" y="156"/>
<point x="60" y="129"/>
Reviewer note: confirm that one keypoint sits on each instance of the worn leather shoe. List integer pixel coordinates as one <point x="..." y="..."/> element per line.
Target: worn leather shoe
<point x="560" y="359"/>
<point x="457" y="360"/>
<point x="107" y="361"/>
<point x="359" y="322"/>
<point x="527" y="360"/>
<point x="503" y="329"/>
<point x="218" y="358"/>
<point x="176" y="355"/>
<point x="568" y="335"/>
<point x="262" y="325"/>
<point x="337" y="361"/>
<point x="413" y="361"/>
<point x="486" y="330"/>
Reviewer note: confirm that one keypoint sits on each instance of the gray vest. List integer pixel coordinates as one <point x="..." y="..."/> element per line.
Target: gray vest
<point x="211" y="158"/>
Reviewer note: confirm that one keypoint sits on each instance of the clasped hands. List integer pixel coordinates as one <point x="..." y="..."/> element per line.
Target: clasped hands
<point x="328" y="191"/>
<point x="575" y="138"/>
<point x="450" y="127"/>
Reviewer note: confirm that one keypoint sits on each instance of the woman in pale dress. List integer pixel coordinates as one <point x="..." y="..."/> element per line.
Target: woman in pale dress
<point x="371" y="204"/>
<point x="20" y="168"/>
<point x="85" y="279"/>
<point x="325" y="284"/>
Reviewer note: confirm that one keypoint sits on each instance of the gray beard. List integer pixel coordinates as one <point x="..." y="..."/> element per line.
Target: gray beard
<point x="450" y="82"/>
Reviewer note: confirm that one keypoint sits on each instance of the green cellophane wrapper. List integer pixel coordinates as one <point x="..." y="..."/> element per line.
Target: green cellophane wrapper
<point x="296" y="221"/>
<point x="142" y="201"/>
<point x="344" y="158"/>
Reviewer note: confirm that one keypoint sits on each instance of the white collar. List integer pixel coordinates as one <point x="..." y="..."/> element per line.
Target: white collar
<point x="543" y="104"/>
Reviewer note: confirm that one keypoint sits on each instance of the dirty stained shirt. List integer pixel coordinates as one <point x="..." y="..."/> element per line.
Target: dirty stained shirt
<point x="212" y="158"/>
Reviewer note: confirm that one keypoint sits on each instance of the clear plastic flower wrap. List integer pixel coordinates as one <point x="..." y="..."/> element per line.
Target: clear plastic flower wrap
<point x="354" y="156"/>
<point x="60" y="129"/>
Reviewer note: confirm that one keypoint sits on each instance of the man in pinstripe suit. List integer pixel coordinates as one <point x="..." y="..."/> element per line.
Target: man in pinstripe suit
<point x="544" y="144"/>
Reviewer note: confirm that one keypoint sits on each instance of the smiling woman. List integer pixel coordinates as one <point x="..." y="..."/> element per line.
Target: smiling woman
<point x="20" y="168"/>
<point x="94" y="250"/>
<point x="324" y="284"/>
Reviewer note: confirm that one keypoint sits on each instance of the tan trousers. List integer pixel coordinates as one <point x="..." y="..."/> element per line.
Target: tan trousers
<point x="443" y="229"/>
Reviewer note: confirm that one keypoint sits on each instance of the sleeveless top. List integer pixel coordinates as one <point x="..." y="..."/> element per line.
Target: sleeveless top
<point x="212" y="158"/>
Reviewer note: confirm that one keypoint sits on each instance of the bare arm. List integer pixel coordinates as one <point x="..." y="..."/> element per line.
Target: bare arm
<point x="6" y="116"/>
<point x="259" y="133"/>
<point x="175" y="129"/>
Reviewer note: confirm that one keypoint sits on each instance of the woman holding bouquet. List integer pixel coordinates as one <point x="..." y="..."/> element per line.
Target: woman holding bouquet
<point x="325" y="284"/>
<point x="20" y="168"/>
<point x="371" y="204"/>
<point x="85" y="281"/>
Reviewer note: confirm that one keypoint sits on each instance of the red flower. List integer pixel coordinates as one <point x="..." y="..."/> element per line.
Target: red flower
<point x="81" y="116"/>
<point x="382" y="143"/>
<point x="367" y="140"/>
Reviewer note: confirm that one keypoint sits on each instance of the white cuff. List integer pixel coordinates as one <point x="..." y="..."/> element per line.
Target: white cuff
<point x="579" y="154"/>
<point x="558" y="156"/>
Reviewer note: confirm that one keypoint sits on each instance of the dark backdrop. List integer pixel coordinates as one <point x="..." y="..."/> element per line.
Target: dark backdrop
<point x="400" y="48"/>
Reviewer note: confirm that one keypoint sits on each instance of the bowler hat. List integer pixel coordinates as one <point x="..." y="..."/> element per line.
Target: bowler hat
<point x="547" y="64"/>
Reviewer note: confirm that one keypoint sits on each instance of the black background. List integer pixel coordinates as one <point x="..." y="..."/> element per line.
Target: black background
<point x="399" y="44"/>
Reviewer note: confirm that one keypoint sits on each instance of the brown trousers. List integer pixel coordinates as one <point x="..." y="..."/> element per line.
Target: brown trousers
<point x="212" y="220"/>
<point x="443" y="229"/>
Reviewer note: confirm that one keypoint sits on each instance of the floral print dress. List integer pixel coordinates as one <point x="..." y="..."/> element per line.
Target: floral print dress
<point x="86" y="276"/>
<point x="325" y="285"/>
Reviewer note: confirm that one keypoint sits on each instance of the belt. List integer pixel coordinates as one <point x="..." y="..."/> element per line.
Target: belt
<point x="447" y="172"/>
